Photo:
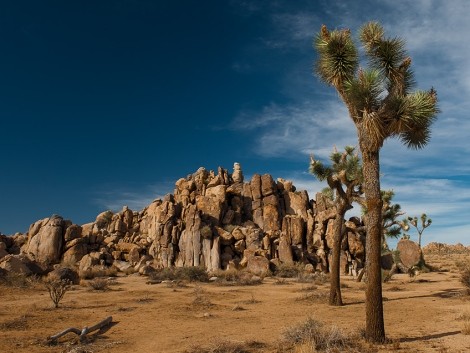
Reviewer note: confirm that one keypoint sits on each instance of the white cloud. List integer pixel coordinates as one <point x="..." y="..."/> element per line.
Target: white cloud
<point x="303" y="129"/>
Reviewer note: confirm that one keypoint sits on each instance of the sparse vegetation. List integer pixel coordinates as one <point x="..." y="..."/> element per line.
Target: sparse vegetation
<point x="289" y="270"/>
<point x="98" y="271"/>
<point x="99" y="284"/>
<point x="223" y="346"/>
<point x="313" y="336"/>
<point x="18" y="280"/>
<point x="201" y="300"/>
<point x="237" y="278"/>
<point x="190" y="274"/>
<point x="57" y="289"/>
<point x="16" y="324"/>
<point x="464" y="268"/>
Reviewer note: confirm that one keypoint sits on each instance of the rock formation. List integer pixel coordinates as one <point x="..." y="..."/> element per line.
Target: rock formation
<point x="216" y="220"/>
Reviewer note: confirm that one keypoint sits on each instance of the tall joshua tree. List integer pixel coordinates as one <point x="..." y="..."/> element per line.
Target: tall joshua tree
<point x="381" y="105"/>
<point x="344" y="179"/>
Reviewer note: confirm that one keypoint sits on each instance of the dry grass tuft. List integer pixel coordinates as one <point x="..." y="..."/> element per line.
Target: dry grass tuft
<point x="312" y="336"/>
<point x="201" y="300"/>
<point x="99" y="284"/>
<point x="466" y="327"/>
<point x="16" y="324"/>
<point x="223" y="346"/>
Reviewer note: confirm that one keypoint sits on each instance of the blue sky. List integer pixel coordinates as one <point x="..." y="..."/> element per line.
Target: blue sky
<point x="108" y="103"/>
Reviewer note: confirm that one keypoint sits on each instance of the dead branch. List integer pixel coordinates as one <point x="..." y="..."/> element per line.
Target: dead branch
<point x="83" y="332"/>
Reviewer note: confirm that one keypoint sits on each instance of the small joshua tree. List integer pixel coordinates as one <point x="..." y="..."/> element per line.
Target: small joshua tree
<point x="57" y="289"/>
<point x="425" y="222"/>
<point x="344" y="178"/>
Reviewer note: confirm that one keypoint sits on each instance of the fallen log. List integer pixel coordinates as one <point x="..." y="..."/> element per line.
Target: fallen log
<point x="83" y="332"/>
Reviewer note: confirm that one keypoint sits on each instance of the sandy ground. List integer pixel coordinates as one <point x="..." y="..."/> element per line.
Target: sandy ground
<point x="424" y="315"/>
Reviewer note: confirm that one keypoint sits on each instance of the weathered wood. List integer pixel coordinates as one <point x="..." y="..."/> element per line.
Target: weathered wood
<point x="83" y="332"/>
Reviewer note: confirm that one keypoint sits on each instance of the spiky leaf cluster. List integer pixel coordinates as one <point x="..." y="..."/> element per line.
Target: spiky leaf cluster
<point x="344" y="175"/>
<point x="379" y="99"/>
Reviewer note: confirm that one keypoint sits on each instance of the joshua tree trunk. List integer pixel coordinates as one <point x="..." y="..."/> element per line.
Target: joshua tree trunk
<point x="335" y="288"/>
<point x="375" y="330"/>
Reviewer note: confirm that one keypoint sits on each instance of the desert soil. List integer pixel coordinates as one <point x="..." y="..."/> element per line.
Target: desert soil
<point x="421" y="315"/>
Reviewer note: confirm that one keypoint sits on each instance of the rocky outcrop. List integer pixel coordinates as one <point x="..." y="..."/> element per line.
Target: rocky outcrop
<point x="440" y="248"/>
<point x="216" y="220"/>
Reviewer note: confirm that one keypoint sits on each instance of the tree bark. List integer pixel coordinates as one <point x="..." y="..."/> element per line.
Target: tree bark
<point x="335" y="287"/>
<point x="375" y="330"/>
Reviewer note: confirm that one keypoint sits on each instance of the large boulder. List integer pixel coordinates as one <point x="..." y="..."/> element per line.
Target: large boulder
<point x="409" y="252"/>
<point x="15" y="263"/>
<point x="46" y="244"/>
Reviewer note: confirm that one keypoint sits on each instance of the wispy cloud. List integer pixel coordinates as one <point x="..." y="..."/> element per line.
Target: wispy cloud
<point x="304" y="128"/>
<point x="110" y="198"/>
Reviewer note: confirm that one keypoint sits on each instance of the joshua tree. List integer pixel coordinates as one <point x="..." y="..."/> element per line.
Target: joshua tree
<point x="425" y="222"/>
<point x="344" y="179"/>
<point x="381" y="105"/>
<point x="392" y="227"/>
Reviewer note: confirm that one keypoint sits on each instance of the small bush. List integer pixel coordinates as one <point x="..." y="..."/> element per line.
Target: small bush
<point x="312" y="333"/>
<point x="18" y="280"/>
<point x="289" y="271"/>
<point x="99" y="283"/>
<point x="57" y="289"/>
<point x="200" y="298"/>
<point x="222" y="346"/>
<point x="466" y="327"/>
<point x="98" y="271"/>
<point x="17" y="324"/>
<point x="465" y="277"/>
<point x="191" y="274"/>
<point x="237" y="278"/>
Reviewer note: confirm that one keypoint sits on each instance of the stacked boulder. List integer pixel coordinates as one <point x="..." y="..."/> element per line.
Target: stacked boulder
<point x="216" y="220"/>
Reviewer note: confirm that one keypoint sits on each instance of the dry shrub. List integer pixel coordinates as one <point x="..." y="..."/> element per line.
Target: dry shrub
<point x="223" y="346"/>
<point x="466" y="327"/>
<point x="57" y="289"/>
<point x="235" y="277"/>
<point x="16" y="324"/>
<point x="98" y="271"/>
<point x="289" y="270"/>
<point x="312" y="336"/>
<point x="201" y="300"/>
<point x="281" y="282"/>
<point x="321" y="297"/>
<point x="465" y="276"/>
<point x="99" y="283"/>
<point x="18" y="280"/>
<point x="190" y="273"/>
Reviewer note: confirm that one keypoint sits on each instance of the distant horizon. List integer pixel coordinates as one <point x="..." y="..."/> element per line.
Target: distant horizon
<point x="109" y="103"/>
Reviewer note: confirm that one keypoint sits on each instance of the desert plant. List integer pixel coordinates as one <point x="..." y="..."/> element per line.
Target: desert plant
<point x="320" y="338"/>
<point x="344" y="178"/>
<point x="223" y="346"/>
<point x="190" y="273"/>
<point x="57" y="289"/>
<point x="17" y="280"/>
<point x="465" y="277"/>
<point x="235" y="277"/>
<point x="381" y="105"/>
<point x="425" y="222"/>
<point x="99" y="283"/>
<point x="288" y="270"/>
